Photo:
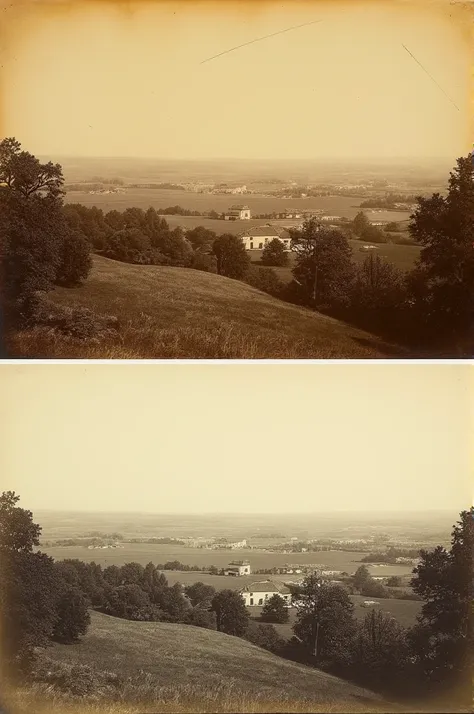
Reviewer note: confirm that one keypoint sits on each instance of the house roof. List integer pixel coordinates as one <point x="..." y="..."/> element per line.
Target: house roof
<point x="261" y="231"/>
<point x="266" y="586"/>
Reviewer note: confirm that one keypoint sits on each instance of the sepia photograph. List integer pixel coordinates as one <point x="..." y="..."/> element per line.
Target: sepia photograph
<point x="237" y="180"/>
<point x="183" y="538"/>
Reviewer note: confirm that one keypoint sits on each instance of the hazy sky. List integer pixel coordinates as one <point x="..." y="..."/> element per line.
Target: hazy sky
<point x="237" y="438"/>
<point x="126" y="78"/>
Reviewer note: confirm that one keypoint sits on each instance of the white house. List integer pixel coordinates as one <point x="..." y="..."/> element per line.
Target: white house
<point x="237" y="213"/>
<point x="258" y="237"/>
<point x="238" y="567"/>
<point x="256" y="594"/>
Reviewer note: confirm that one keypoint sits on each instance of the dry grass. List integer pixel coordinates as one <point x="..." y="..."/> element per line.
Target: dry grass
<point x="163" y="667"/>
<point x="175" y="313"/>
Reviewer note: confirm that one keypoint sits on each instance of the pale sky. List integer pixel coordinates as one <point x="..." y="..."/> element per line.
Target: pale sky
<point x="96" y="78"/>
<point x="259" y="438"/>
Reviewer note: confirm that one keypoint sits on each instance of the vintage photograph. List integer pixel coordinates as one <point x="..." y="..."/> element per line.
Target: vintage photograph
<point x="237" y="180"/>
<point x="183" y="538"/>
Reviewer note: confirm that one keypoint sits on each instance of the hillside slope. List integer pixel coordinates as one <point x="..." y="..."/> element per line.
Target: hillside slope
<point x="181" y="313"/>
<point x="204" y="663"/>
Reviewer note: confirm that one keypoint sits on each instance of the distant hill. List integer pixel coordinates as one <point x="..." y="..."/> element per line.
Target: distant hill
<point x="197" y="663"/>
<point x="168" y="313"/>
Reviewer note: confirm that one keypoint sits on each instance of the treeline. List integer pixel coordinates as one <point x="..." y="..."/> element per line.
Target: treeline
<point x="388" y="201"/>
<point x="391" y="555"/>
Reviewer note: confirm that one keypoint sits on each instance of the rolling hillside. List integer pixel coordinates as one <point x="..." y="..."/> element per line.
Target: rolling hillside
<point x="181" y="662"/>
<point x="168" y="313"/>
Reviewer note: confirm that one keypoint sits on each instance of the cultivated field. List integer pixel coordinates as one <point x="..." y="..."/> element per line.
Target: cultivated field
<point x="174" y="313"/>
<point x="180" y="664"/>
<point x="404" y="611"/>
<point x="163" y="198"/>
<point x="144" y="553"/>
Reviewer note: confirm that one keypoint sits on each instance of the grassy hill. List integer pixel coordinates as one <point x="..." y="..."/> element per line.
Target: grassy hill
<point x="173" y="313"/>
<point x="186" y="666"/>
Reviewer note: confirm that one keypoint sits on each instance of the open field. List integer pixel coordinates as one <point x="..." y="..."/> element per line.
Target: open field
<point x="404" y="611"/>
<point x="181" y="660"/>
<point x="172" y="313"/>
<point x="144" y="553"/>
<point x="162" y="198"/>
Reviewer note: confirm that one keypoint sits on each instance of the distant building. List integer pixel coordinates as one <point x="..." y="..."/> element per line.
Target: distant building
<point x="256" y="594"/>
<point x="238" y="213"/>
<point x="237" y="568"/>
<point x="330" y="218"/>
<point x="258" y="237"/>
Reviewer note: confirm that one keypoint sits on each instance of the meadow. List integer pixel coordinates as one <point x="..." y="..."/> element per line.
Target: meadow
<point x="144" y="553"/>
<point x="175" y="313"/>
<point x="162" y="198"/>
<point x="169" y="667"/>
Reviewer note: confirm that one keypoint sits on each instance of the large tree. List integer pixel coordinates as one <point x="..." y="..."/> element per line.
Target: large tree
<point x="28" y="585"/>
<point x="34" y="234"/>
<point x="323" y="268"/>
<point x="275" y="610"/>
<point x="231" y="614"/>
<point x="324" y="623"/>
<point x="379" y="651"/>
<point x="443" y="638"/>
<point x="275" y="253"/>
<point x="232" y="259"/>
<point x="443" y="281"/>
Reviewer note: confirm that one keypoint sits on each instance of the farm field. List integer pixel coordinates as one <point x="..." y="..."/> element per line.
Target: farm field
<point x="197" y="664"/>
<point x="163" y="198"/>
<point x="404" y="611"/>
<point x="144" y="553"/>
<point x="403" y="257"/>
<point x="173" y="313"/>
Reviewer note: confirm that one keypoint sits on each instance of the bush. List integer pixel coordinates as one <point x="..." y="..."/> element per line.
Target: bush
<point x="275" y="610"/>
<point x="275" y="253"/>
<point x="264" y="636"/>
<point x="75" y="261"/>
<point x="266" y="280"/>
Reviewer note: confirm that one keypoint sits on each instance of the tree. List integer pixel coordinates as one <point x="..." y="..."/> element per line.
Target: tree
<point x="130" y="602"/>
<point x="380" y="651"/>
<point x="28" y="585"/>
<point x="373" y="234"/>
<point x="22" y="173"/>
<point x="265" y="279"/>
<point x="275" y="610"/>
<point x="275" y="253"/>
<point x="323" y="268"/>
<point x="202" y="618"/>
<point x="394" y="582"/>
<point x="360" y="223"/>
<point x="201" y="239"/>
<point x="264" y="636"/>
<point x="324" y="622"/>
<point x="75" y="262"/>
<point x="443" y="639"/>
<point x="200" y="594"/>
<point x="18" y="532"/>
<point x="443" y="279"/>
<point x="232" y="258"/>
<point x="34" y="234"/>
<point x="231" y="614"/>
<point x="361" y="577"/>
<point x="73" y="616"/>
<point x="378" y="288"/>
